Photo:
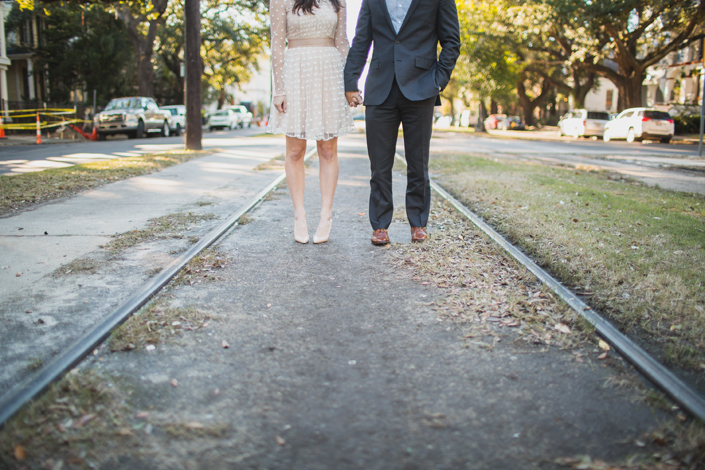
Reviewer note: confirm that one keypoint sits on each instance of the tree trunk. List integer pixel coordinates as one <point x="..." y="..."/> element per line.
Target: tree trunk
<point x="493" y="107"/>
<point x="528" y="105"/>
<point x="481" y="116"/>
<point x="221" y="97"/>
<point x="143" y="44"/>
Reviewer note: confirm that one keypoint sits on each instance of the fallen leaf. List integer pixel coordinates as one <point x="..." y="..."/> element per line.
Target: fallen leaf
<point x="19" y="452"/>
<point x="174" y="383"/>
<point x="575" y="220"/>
<point x="18" y="274"/>
<point x="361" y="213"/>
<point x="124" y="432"/>
<point x="85" y="419"/>
<point x="562" y="328"/>
<point x="604" y="346"/>
<point x="142" y="415"/>
<point x="602" y="356"/>
<point x="28" y="311"/>
<point x="280" y="440"/>
<point x="225" y="344"/>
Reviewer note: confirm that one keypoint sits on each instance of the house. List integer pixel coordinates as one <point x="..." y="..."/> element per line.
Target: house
<point x="20" y="80"/>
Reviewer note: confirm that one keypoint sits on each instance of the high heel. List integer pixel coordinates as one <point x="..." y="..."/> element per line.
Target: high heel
<point x="300" y="230"/>
<point x="323" y="231"/>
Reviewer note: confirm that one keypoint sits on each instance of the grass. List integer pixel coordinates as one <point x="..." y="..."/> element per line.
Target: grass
<point x="201" y="268"/>
<point x="24" y="190"/>
<point x="77" y="266"/>
<point x="634" y="253"/>
<point x="153" y="324"/>
<point x="66" y="423"/>
<point x="167" y="226"/>
<point x="276" y="163"/>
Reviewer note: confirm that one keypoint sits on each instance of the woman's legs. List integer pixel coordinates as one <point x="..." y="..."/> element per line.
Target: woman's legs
<point x="295" y="179"/>
<point x="328" y="174"/>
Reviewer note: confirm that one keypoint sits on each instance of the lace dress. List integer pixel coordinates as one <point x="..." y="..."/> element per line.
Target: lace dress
<point x="310" y="71"/>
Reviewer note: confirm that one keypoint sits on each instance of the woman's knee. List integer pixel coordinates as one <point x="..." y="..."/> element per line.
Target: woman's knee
<point x="327" y="150"/>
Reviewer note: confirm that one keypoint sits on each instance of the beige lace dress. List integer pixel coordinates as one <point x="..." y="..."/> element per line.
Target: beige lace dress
<point x="309" y="72"/>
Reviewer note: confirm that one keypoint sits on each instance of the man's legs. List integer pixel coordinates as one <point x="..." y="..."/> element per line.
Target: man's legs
<point x="417" y="122"/>
<point x="382" y="127"/>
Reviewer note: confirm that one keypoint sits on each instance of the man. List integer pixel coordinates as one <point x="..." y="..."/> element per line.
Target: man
<point x="403" y="86"/>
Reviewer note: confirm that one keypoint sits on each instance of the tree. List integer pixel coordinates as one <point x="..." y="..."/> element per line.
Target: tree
<point x="233" y="40"/>
<point x="142" y="21"/>
<point x="487" y="64"/>
<point x="634" y="34"/>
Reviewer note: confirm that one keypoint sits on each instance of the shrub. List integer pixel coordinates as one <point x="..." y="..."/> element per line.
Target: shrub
<point x="687" y="123"/>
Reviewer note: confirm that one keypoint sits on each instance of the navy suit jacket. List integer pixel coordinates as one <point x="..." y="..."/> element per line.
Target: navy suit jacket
<point x="409" y="55"/>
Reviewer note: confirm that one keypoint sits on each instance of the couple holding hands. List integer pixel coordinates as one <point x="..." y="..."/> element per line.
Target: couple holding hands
<point x="316" y="83"/>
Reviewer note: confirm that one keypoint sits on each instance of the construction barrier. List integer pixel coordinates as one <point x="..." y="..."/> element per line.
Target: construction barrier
<point x="46" y="118"/>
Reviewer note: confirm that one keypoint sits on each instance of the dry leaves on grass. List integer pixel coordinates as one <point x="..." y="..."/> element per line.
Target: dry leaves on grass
<point x="482" y="288"/>
<point x="168" y="226"/>
<point x="74" y="420"/>
<point x="201" y="268"/>
<point x="153" y="324"/>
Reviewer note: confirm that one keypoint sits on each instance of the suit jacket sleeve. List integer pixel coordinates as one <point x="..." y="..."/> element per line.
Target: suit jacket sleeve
<point x="449" y="37"/>
<point x="357" y="56"/>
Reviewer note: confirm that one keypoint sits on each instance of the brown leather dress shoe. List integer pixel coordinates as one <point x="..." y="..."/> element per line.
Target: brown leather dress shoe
<point x="418" y="234"/>
<point x="380" y="237"/>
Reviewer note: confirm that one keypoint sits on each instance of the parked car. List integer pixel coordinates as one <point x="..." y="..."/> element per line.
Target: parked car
<point x="641" y="124"/>
<point x="493" y="119"/>
<point x="134" y="116"/>
<point x="178" y="117"/>
<point x="511" y="123"/>
<point x="244" y="115"/>
<point x="583" y="123"/>
<point x="223" y="119"/>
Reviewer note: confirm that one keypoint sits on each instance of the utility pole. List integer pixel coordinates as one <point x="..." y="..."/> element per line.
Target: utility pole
<point x="192" y="85"/>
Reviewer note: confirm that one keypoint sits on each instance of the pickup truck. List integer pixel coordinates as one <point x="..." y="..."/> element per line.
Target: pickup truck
<point x="135" y="116"/>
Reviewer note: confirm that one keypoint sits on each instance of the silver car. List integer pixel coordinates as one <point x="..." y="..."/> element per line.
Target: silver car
<point x="134" y="116"/>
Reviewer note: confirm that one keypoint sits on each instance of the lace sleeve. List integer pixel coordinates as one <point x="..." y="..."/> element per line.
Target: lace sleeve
<point x="341" y="34"/>
<point x="277" y="18"/>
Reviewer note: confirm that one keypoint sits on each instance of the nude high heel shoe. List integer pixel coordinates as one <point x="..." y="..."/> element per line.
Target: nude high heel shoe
<point x="300" y="230"/>
<point x="323" y="231"/>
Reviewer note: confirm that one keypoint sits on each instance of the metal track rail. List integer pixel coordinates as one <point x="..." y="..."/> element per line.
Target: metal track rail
<point x="22" y="393"/>
<point x="659" y="375"/>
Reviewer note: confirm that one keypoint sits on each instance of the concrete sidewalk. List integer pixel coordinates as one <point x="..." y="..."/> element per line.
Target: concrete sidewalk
<point x="331" y="357"/>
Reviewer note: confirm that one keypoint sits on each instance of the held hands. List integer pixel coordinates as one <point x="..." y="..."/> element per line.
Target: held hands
<point x="280" y="103"/>
<point x="354" y="98"/>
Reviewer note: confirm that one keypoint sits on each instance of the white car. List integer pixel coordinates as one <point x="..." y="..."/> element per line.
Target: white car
<point x="641" y="124"/>
<point x="178" y="117"/>
<point x="244" y="114"/>
<point x="583" y="123"/>
<point x="224" y="119"/>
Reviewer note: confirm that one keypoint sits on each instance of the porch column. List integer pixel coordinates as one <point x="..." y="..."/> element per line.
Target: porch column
<point x="5" y="8"/>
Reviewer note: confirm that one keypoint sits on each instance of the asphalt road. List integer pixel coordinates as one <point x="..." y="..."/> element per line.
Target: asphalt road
<point x="25" y="158"/>
<point x="652" y="163"/>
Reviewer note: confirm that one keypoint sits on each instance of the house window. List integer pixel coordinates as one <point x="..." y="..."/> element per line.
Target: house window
<point x="608" y="99"/>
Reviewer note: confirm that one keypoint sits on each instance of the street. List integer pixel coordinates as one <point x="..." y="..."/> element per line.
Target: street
<point x="24" y="158"/>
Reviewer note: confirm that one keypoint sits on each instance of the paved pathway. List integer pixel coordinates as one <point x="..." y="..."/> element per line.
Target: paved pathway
<point x="335" y="358"/>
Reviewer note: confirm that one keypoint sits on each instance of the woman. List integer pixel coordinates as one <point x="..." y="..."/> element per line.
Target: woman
<point x="309" y="97"/>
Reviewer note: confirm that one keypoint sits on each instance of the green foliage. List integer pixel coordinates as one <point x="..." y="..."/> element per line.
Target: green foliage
<point x="86" y="47"/>
<point x="687" y="123"/>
